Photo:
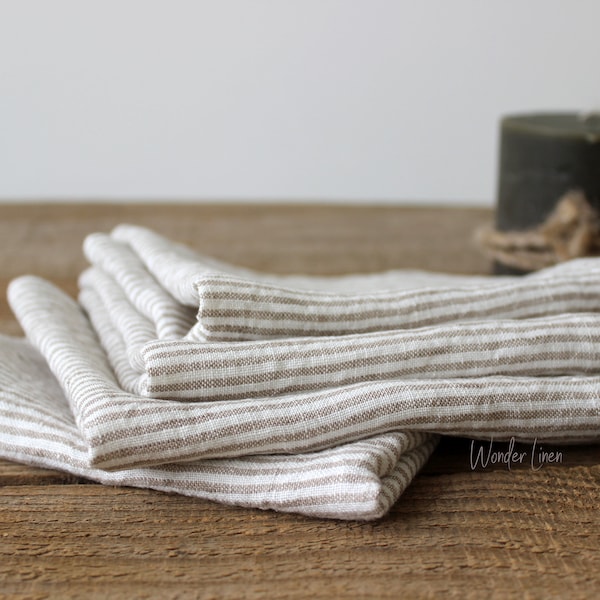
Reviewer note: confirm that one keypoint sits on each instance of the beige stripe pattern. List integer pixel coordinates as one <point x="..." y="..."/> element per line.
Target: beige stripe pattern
<point x="360" y="480"/>
<point x="125" y="430"/>
<point x="565" y="345"/>
<point x="193" y="371"/>
<point x="323" y="396"/>
<point x="239" y="304"/>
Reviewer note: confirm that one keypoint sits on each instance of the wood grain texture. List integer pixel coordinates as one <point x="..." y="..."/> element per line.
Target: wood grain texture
<point x="456" y="532"/>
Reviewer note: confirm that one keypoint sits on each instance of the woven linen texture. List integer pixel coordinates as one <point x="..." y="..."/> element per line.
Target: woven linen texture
<point x="323" y="396"/>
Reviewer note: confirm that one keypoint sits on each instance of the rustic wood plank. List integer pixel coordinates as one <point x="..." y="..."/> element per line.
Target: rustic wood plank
<point x="14" y="474"/>
<point x="461" y="532"/>
<point x="46" y="239"/>
<point x="455" y="532"/>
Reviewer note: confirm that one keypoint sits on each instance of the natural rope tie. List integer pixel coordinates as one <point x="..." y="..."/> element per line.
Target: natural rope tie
<point x="572" y="230"/>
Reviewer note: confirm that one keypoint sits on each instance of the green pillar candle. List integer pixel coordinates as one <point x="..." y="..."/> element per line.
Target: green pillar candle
<point x="543" y="156"/>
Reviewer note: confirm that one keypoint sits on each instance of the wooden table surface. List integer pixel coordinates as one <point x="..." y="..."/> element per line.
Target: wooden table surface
<point x="455" y="532"/>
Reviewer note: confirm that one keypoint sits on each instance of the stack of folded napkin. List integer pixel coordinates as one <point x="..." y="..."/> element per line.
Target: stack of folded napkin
<point x="316" y="395"/>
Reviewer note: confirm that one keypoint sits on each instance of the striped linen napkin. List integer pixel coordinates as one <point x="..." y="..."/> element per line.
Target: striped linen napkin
<point x="184" y="294"/>
<point x="61" y="407"/>
<point x="322" y="396"/>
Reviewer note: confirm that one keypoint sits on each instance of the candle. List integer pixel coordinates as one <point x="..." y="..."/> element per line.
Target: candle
<point x="542" y="157"/>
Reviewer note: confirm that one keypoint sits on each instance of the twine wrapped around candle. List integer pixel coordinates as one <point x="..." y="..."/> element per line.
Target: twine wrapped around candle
<point x="572" y="230"/>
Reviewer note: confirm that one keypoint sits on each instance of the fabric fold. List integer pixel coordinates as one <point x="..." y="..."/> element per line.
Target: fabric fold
<point x="356" y="481"/>
<point x="123" y="430"/>
<point x="317" y="395"/>
<point x="240" y="304"/>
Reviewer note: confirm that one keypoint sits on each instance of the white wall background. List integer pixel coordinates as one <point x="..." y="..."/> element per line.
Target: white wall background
<point x="325" y="100"/>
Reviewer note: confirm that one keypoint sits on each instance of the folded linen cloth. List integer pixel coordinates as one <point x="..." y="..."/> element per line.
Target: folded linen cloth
<point x="124" y="430"/>
<point x="330" y="426"/>
<point x="186" y="370"/>
<point x="360" y="480"/>
<point x="159" y="354"/>
<point x="168" y="283"/>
